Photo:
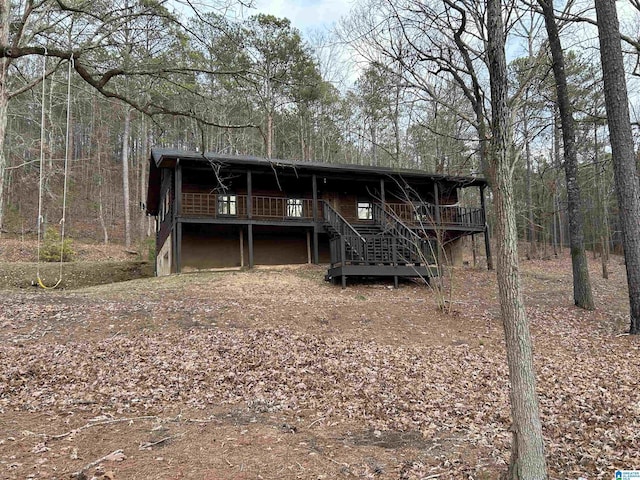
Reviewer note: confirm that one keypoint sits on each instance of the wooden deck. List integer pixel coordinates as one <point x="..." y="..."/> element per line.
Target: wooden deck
<point x="417" y="216"/>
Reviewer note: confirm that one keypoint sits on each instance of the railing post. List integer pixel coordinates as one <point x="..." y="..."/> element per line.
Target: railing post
<point x="314" y="189"/>
<point x="394" y="251"/>
<point x="249" y="195"/>
<point x="436" y="198"/>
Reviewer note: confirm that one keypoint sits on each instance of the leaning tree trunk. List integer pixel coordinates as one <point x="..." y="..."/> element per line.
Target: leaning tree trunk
<point x="527" y="449"/>
<point x="624" y="159"/>
<point x="582" y="295"/>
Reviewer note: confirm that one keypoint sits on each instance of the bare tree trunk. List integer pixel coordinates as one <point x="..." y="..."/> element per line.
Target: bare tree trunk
<point x="5" y="6"/>
<point x="374" y="144"/>
<point x="103" y="225"/>
<point x="143" y="175"/>
<point x="4" y="103"/>
<point x="624" y="159"/>
<point x="527" y="449"/>
<point x="396" y="120"/>
<point x="125" y="177"/>
<point x="269" y="142"/>
<point x="531" y="225"/>
<point x="582" y="295"/>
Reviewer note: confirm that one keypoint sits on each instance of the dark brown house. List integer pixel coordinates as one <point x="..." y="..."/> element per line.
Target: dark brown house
<point x="237" y="211"/>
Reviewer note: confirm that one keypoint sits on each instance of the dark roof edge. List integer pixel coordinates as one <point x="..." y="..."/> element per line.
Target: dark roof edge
<point x="159" y="155"/>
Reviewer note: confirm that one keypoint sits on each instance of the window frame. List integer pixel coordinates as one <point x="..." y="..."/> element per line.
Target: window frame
<point x="294" y="208"/>
<point x="227" y="205"/>
<point x="364" y="206"/>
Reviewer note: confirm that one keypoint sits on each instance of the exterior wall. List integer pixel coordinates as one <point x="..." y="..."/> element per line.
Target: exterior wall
<point x="164" y="258"/>
<point x="324" y="254"/>
<point x="211" y="246"/>
<point x="218" y="246"/>
<point x="279" y="246"/>
<point x="167" y="206"/>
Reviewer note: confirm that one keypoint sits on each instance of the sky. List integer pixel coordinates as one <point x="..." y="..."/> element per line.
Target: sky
<point x="306" y="15"/>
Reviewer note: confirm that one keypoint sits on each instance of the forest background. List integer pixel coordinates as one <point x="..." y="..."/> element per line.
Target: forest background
<point x="398" y="84"/>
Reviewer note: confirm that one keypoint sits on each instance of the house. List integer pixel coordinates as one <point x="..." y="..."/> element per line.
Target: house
<point x="218" y="210"/>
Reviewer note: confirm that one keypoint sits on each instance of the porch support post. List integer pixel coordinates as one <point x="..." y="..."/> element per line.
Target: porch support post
<point x="314" y="187"/>
<point x="241" y="230"/>
<point x="250" y="216"/>
<point x="487" y="243"/>
<point x="309" y="246"/>
<point x="250" y="236"/>
<point x="178" y="189"/>
<point x="382" y="193"/>
<point x="176" y="216"/>
<point x="249" y="195"/>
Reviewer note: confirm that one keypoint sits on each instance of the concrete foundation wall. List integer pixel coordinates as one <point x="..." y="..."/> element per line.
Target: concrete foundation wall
<point x="454" y="250"/>
<point x="165" y="257"/>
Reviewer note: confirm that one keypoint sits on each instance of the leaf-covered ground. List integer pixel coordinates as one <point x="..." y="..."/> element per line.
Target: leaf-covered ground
<point x="275" y="374"/>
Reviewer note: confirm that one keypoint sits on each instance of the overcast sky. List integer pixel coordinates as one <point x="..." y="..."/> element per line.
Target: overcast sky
<point x="305" y="15"/>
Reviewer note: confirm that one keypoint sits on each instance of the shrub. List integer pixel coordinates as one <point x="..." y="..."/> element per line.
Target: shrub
<point x="50" y="249"/>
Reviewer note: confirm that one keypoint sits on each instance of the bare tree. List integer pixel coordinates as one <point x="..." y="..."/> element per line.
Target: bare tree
<point x="582" y="295"/>
<point x="624" y="158"/>
<point x="90" y="35"/>
<point x="527" y="448"/>
<point x="126" y="134"/>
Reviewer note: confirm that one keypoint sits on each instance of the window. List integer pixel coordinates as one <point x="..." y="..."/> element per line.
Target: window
<point x="364" y="211"/>
<point x="423" y="213"/>
<point x="227" y="205"/>
<point x="294" y="207"/>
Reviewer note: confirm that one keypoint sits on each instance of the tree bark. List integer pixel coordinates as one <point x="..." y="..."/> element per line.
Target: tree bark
<point x="143" y="176"/>
<point x="125" y="176"/>
<point x="582" y="295"/>
<point x="531" y="224"/>
<point x="527" y="450"/>
<point x="269" y="134"/>
<point x="624" y="159"/>
<point x="4" y="99"/>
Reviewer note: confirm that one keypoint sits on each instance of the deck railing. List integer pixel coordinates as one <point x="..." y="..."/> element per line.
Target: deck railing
<point x="424" y="214"/>
<point x="380" y="250"/>
<point x="212" y="205"/>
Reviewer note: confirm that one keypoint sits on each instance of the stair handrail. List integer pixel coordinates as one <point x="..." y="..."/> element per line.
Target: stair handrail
<point x="398" y="224"/>
<point x="410" y="238"/>
<point x="329" y="210"/>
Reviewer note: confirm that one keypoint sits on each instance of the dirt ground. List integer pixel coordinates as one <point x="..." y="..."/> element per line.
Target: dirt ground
<point x="275" y="374"/>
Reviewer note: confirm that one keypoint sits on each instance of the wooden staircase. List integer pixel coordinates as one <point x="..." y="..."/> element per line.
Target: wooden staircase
<point x="384" y="248"/>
